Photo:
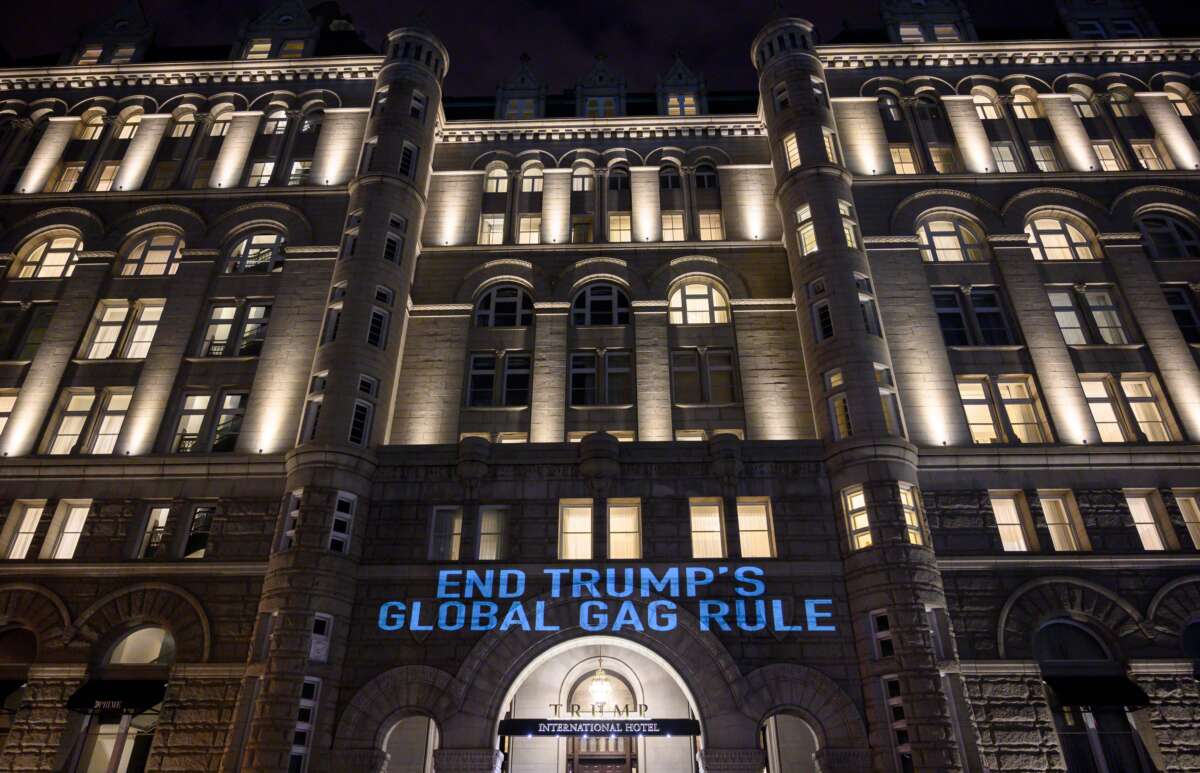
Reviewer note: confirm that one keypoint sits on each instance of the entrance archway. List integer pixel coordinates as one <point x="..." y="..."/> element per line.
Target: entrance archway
<point x="790" y="744"/>
<point x="409" y="745"/>
<point x="601" y="679"/>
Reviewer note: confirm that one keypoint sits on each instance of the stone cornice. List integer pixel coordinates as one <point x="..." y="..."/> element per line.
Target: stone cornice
<point x="1023" y="52"/>
<point x="622" y="127"/>
<point x="132" y="569"/>
<point x="1073" y="562"/>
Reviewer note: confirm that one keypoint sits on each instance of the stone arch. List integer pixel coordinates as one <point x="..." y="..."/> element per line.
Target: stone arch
<point x="159" y="603"/>
<point x="89" y="225"/>
<point x="1041" y="600"/>
<point x="913" y="208"/>
<point x="1132" y="203"/>
<point x="38" y="609"/>
<point x="501" y="270"/>
<point x="814" y="697"/>
<point x="698" y="658"/>
<point x="707" y="154"/>
<point x="186" y="220"/>
<point x="389" y="697"/>
<point x="294" y="224"/>
<point x="1175" y="605"/>
<point x="1019" y="207"/>
<point x="667" y="276"/>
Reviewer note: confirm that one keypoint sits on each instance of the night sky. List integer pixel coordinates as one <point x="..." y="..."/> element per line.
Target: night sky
<point x="486" y="37"/>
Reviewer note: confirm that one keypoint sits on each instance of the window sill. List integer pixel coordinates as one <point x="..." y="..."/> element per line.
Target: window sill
<point x="706" y="405"/>
<point x="496" y="408"/>
<point x="90" y="361"/>
<point x="238" y="358"/>
<point x="987" y="348"/>
<point x="602" y="407"/>
<point x="15" y="362"/>
<point x="1090" y="347"/>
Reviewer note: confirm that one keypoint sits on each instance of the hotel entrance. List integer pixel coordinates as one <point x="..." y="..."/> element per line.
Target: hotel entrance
<point x="602" y="753"/>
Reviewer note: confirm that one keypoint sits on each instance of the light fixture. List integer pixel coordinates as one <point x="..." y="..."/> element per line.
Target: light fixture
<point x="601" y="687"/>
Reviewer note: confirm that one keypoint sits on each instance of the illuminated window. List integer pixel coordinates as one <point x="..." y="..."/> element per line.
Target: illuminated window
<point x="152" y="535"/>
<point x="600" y="304"/>
<point x="491" y="229"/>
<point x="72" y="417"/>
<point x="220" y="124"/>
<point x="791" y="151"/>
<point x="50" y="257"/>
<point x="831" y="146"/>
<point x="1022" y="410"/>
<point x="341" y="527"/>
<point x="191" y="422"/>
<point x="1168" y="237"/>
<point x="1102" y="402"/>
<point x="492" y="522"/>
<point x="68" y="522"/>
<point x="600" y="107"/>
<point x="260" y="174"/>
<point x="949" y="240"/>
<point x="89" y="55"/>
<point x="532" y="180"/>
<point x="1083" y="106"/>
<point x="1189" y="508"/>
<point x="985" y="108"/>
<point x="1054" y="238"/>
<point x="1106" y="154"/>
<point x="582" y="179"/>
<point x="839" y="405"/>
<point x="698" y="303"/>
<point x="754" y="527"/>
<point x="711" y="227"/>
<point x="681" y="104"/>
<point x="849" y="223"/>
<point x="1044" y="157"/>
<point x="446" y="540"/>
<point x="1149" y="158"/>
<point x="1024" y="106"/>
<point x="806" y="231"/>
<point x="8" y="401"/>
<point x="858" y="518"/>
<point x="1121" y="100"/>
<point x="1181" y="105"/>
<point x="228" y="424"/>
<point x="107" y="176"/>
<point x="672" y="226"/>
<point x="219" y="331"/>
<point x="624" y="529"/>
<point x="1008" y="508"/>
<point x="496" y="181"/>
<point x="258" y="48"/>
<point x="575" y="529"/>
<point x="1148" y="519"/>
<point x="581" y="229"/>
<point x="109" y="421"/>
<point x="708" y="533"/>
<point x="299" y="173"/>
<point x="123" y="55"/>
<point x="129" y="126"/>
<point x="619" y="227"/>
<point x="903" y="160"/>
<point x="867" y="305"/>
<point x="944" y="159"/>
<point x="417" y="105"/>
<point x="529" y="229"/>
<point x="977" y="405"/>
<point x="1105" y="316"/>
<point x="146" y="316"/>
<point x="1063" y="521"/>
<point x="911" y="33"/>
<point x="1142" y="394"/>
<point x="504" y="306"/>
<point x="65" y="178"/>
<point x="275" y="123"/>
<point x="91" y="127"/>
<point x="107" y="324"/>
<point x="27" y="515"/>
<point x="889" y="401"/>
<point x="154" y="255"/>
<point x="914" y="514"/>
<point x="1062" y="303"/>
<point x="259" y="252"/>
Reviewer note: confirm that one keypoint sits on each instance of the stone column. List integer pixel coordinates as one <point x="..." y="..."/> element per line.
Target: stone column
<point x="467" y="761"/>
<point x="864" y="139"/>
<point x="47" y="154"/>
<point x="139" y="154"/>
<point x="969" y="134"/>
<point x="652" y="370"/>
<point x="235" y="148"/>
<point x="511" y="217"/>
<point x="731" y="760"/>
<point x="1070" y="132"/>
<point x="336" y="154"/>
<point x="646" y="206"/>
<point x="1170" y="129"/>
<point x="556" y="206"/>
<point x="548" y="399"/>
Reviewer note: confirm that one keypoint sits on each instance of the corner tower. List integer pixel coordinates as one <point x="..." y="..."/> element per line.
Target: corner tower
<point x="892" y="580"/>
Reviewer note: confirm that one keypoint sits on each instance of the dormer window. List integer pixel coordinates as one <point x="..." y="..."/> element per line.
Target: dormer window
<point x="946" y="33"/>
<point x="600" y="107"/>
<point x="258" y="48"/>
<point x="1090" y="29"/>
<point x="276" y="123"/>
<point x="90" y="55"/>
<point x="681" y="104"/>
<point x="910" y="32"/>
<point x="291" y="49"/>
<point x="518" y="109"/>
<point x="123" y="55"/>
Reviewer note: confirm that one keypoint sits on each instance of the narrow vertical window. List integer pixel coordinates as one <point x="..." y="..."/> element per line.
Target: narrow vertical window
<point x="711" y="227"/>
<point x="1098" y="392"/>
<point x="306" y="720"/>
<point x="408" y="160"/>
<point x="849" y="224"/>
<point x="903" y="160"/>
<point x="446" y="541"/>
<point x="889" y="401"/>
<point x="624" y="529"/>
<point x="1062" y="519"/>
<point x="416" y="108"/>
<point x="1022" y="410"/>
<point x="27" y="516"/>
<point x="708" y="533"/>
<point x="822" y="320"/>
<point x="491" y="229"/>
<point x="858" y="518"/>
<point x="1189" y="508"/>
<point x="914" y="515"/>
<point x="199" y="530"/>
<point x="806" y="230"/>
<point x="318" y="643"/>
<point x="791" y="151"/>
<point x="529" y="229"/>
<point x="73" y="416"/>
<point x="481" y="380"/>
<point x="754" y="527"/>
<point x="575" y="529"/>
<point x="377" y="328"/>
<point x="1008" y="509"/>
<point x="151" y="544"/>
<point x="191" y="421"/>
<point x="73" y="515"/>
<point x="977" y="405"/>
<point x="110" y="420"/>
<point x="516" y="379"/>
<point x="360" y="423"/>
<point x="141" y="333"/>
<point x="1142" y="395"/>
<point x="1146" y="519"/>
<point x="342" y="523"/>
<point x="831" y="145"/>
<point x="492" y="522"/>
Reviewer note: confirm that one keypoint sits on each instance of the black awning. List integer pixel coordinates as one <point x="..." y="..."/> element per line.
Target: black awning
<point x="125" y="696"/>
<point x="1097" y="690"/>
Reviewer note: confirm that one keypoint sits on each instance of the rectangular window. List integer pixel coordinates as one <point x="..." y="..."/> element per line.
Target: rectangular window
<point x="408" y="160"/>
<point x="110" y="420"/>
<point x="481" y="381"/>
<point x="583" y="379"/>
<point x="946" y="33"/>
<point x="518" y="109"/>
<point x="990" y="318"/>
<point x="944" y="160"/>
<point x="721" y="381"/>
<point x="581" y="180"/>
<point x="1105" y="316"/>
<point x="491" y="229"/>
<point x="881" y="630"/>
<point x="529" y="229"/>
<point x="8" y="401"/>
<point x="581" y="229"/>
<point x="151" y="544"/>
<point x="306" y="720"/>
<point x="791" y="151"/>
<point x="1062" y="520"/>
<point x="849" y="223"/>
<point x="1179" y="301"/>
<point x="711" y="227"/>
<point x="575" y="529"/>
<point x="377" y="328"/>
<point x="911" y="33"/>
<point x="89" y="55"/>
<point x="416" y="108"/>
<point x="685" y="377"/>
<point x="1189" y="508"/>
<point x="1062" y="303"/>
<point x="492" y="520"/>
<point x="360" y="423"/>
<point x="889" y="401"/>
<point x="708" y="534"/>
<point x="780" y="95"/>
<point x="27" y="516"/>
<point x="107" y="176"/>
<point x="624" y="529"/>
<point x="516" y="379"/>
<point x="74" y="410"/>
<point x="191" y="422"/>
<point x="66" y="179"/>
<point x="254" y="329"/>
<point x="858" y="519"/>
<point x="820" y="97"/>
<point x="951" y="319"/>
<point x="1144" y="403"/>
<point x="914" y="515"/>
<point x="258" y="48"/>
<point x="1144" y="510"/>
<point x="260" y="174"/>
<point x="229" y="421"/>
<point x="318" y="643"/>
<point x="806" y="230"/>
<point x="1100" y="396"/>
<point x="1022" y="410"/>
<point x="1044" y="156"/>
<point x="342" y="524"/>
<point x="446" y="541"/>
<point x="754" y="527"/>
<point x="839" y="416"/>
<point x="1106" y="154"/>
<point x="1005" y="157"/>
<point x="903" y="160"/>
<point x="822" y="321"/>
<point x="831" y="145"/>
<point x="300" y="171"/>
<point x="147" y="315"/>
<point x="977" y="405"/>
<point x="1009" y="511"/>
<point x="107" y="324"/>
<point x="672" y="226"/>
<point x="619" y="227"/>
<point x="199" y="530"/>
<point x="618" y="378"/>
<point x="72" y="516"/>
<point x="1148" y="157"/>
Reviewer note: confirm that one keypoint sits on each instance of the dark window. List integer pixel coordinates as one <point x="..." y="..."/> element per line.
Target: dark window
<point x="1180" y="302"/>
<point x="991" y="319"/>
<point x="951" y="319"/>
<point x="601" y="304"/>
<point x="504" y="306"/>
<point x="516" y="379"/>
<point x="481" y="382"/>
<point x="706" y="177"/>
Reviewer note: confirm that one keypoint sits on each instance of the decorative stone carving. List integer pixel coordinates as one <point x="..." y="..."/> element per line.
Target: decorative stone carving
<point x="467" y="760"/>
<point x="731" y="760"/>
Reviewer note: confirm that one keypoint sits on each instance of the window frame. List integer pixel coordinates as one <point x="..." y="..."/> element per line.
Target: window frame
<point x="696" y="503"/>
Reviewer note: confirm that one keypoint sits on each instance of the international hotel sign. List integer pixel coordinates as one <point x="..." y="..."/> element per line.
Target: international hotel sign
<point x="608" y="600"/>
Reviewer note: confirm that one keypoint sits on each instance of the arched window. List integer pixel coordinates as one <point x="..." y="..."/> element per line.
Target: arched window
<point x="581" y="179"/>
<point x="276" y="123"/>
<point x="889" y="107"/>
<point x="221" y="123"/>
<point x="1165" y="237"/>
<point x="154" y="254"/>
<point x="618" y="180"/>
<point x="50" y="256"/>
<point x="410" y="744"/>
<point x="310" y="122"/>
<point x="1122" y="101"/>
<point x="129" y="125"/>
<point x="1066" y="642"/>
<point x="1025" y="106"/>
<point x="532" y="179"/>
<point x="1055" y="238"/>
<point x="1082" y="104"/>
<point x="791" y="745"/>
<point x="698" y="303"/>
<point x="91" y="127"/>
<point x="259" y="251"/>
<point x="504" y="306"/>
<point x="706" y="177"/>
<point x="496" y="181"/>
<point x="926" y="109"/>
<point x="949" y="239"/>
<point x="985" y="106"/>
<point x="183" y="124"/>
<point x="600" y="304"/>
<point x="668" y="178"/>
<point x="1180" y="103"/>
<point x="151" y="645"/>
